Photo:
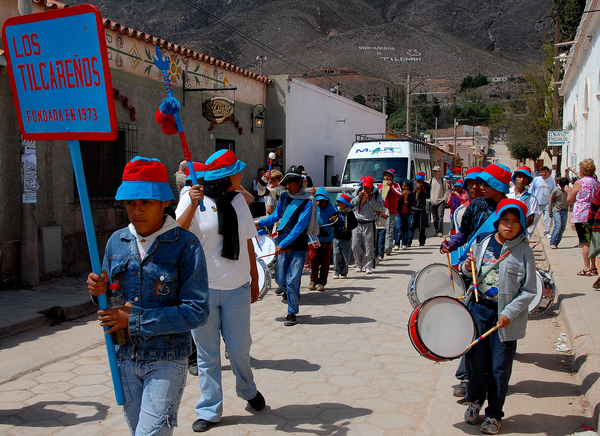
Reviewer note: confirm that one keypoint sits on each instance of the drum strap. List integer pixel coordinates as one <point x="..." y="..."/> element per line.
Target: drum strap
<point x="492" y="267"/>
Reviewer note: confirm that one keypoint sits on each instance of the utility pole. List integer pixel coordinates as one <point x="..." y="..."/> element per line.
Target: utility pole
<point x="260" y="59"/>
<point x="555" y="101"/>
<point x="408" y="105"/>
<point x="30" y="269"/>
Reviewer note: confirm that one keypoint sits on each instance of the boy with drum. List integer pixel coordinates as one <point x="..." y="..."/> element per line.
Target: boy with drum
<point x="503" y="304"/>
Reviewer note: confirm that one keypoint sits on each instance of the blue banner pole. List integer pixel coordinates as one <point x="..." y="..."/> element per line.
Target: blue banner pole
<point x="90" y="234"/>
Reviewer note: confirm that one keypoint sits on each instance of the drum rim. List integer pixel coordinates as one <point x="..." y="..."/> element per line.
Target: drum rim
<point x="419" y="309"/>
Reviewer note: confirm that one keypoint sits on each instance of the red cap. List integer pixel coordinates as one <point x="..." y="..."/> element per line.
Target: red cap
<point x="367" y="181"/>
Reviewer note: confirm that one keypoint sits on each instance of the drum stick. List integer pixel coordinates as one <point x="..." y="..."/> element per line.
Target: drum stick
<point x="271" y="157"/>
<point x="483" y="336"/>
<point x="535" y="245"/>
<point x="258" y="243"/>
<point x="474" y="279"/>
<point x="450" y="268"/>
<point x="272" y="254"/>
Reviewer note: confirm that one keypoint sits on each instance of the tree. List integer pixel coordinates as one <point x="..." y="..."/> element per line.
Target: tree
<point x="360" y="99"/>
<point x="528" y="128"/>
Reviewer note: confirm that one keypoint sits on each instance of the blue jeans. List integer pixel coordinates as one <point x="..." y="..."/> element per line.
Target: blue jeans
<point x="289" y="275"/>
<point x="492" y="357"/>
<point x="560" y="224"/>
<point x="152" y="391"/>
<point x="380" y="242"/>
<point x="229" y="315"/>
<point x="341" y="256"/>
<point x="403" y="223"/>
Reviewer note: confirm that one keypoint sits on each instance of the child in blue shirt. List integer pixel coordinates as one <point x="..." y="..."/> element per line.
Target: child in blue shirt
<point x="320" y="257"/>
<point x="160" y="271"/>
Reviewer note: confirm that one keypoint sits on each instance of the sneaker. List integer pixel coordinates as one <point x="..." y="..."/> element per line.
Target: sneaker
<point x="554" y="247"/>
<point x="547" y="236"/>
<point x="421" y="244"/>
<point x="311" y="285"/>
<point x="472" y="413"/>
<point x="396" y="248"/>
<point x="440" y="235"/>
<point x="490" y="426"/>
<point x="359" y="269"/>
<point x="380" y="258"/>
<point x="461" y="390"/>
<point x="336" y="276"/>
<point x="388" y="251"/>
<point x="258" y="402"/>
<point x="320" y="288"/>
<point x="368" y="270"/>
<point x="201" y="425"/>
<point x="193" y="369"/>
<point x="278" y="291"/>
<point x="284" y="298"/>
<point x="404" y="247"/>
<point x="343" y="277"/>
<point x="290" y="320"/>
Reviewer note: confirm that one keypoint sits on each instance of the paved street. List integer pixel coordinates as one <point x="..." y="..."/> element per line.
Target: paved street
<point x="347" y="368"/>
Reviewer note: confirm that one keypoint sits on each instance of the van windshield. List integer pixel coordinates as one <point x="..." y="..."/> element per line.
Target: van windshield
<point x="356" y="169"/>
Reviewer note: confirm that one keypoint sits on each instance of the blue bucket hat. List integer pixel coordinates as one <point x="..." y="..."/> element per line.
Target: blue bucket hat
<point x="145" y="179"/>
<point x="514" y="205"/>
<point x="221" y="164"/>
<point x="497" y="176"/>
<point x="523" y="170"/>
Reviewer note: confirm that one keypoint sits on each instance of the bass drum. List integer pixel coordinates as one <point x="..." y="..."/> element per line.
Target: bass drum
<point x="264" y="278"/>
<point x="433" y="280"/>
<point x="441" y="329"/>
<point x="545" y="293"/>
<point x="265" y="246"/>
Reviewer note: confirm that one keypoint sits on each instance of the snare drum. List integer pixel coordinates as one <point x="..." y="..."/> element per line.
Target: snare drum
<point x="545" y="293"/>
<point x="264" y="244"/>
<point x="441" y="328"/>
<point x="434" y="281"/>
<point x="264" y="278"/>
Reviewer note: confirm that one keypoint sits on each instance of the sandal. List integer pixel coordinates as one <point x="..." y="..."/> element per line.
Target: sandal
<point x="584" y="272"/>
<point x="593" y="271"/>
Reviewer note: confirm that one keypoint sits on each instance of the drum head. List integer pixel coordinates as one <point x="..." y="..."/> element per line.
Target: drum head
<point x="264" y="277"/>
<point x="264" y="244"/>
<point x="434" y="281"/>
<point x="539" y="288"/>
<point x="445" y="327"/>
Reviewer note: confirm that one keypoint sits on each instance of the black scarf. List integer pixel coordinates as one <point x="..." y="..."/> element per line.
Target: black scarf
<point x="228" y="223"/>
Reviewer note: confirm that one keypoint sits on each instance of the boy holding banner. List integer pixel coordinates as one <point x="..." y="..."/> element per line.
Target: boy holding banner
<point x="160" y="271"/>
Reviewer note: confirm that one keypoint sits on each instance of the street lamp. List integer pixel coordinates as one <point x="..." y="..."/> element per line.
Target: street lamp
<point x="257" y="117"/>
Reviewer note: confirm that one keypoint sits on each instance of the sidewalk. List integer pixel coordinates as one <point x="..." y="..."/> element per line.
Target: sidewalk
<point x="63" y="298"/>
<point x="579" y="307"/>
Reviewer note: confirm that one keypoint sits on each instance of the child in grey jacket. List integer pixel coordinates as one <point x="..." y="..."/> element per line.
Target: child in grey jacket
<point x="504" y="254"/>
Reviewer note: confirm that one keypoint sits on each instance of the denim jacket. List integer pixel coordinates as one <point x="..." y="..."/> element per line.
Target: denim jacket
<point x="168" y="290"/>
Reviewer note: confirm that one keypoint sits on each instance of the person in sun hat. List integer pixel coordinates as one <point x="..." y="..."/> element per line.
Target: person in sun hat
<point x="342" y="236"/>
<point x="438" y="197"/>
<point x="522" y="178"/>
<point x="366" y="202"/>
<point x="419" y="218"/>
<point x="502" y="253"/>
<point x="225" y="230"/>
<point x="391" y="192"/>
<point x="457" y="197"/>
<point x="320" y="257"/>
<point x="297" y="212"/>
<point x="159" y="271"/>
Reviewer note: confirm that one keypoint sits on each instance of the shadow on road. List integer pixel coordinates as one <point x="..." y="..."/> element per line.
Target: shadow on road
<point x="330" y="319"/>
<point x="43" y="414"/>
<point x="290" y="365"/>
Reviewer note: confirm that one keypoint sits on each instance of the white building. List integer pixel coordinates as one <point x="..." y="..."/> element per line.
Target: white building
<point x="313" y="127"/>
<point x="581" y="90"/>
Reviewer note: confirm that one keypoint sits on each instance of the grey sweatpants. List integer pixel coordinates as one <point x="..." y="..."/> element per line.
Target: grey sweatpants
<point x="363" y="244"/>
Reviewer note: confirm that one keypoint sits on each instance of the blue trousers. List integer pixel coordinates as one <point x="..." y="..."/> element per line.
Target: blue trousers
<point x="342" y="249"/>
<point x="419" y="221"/>
<point x="560" y="224"/>
<point x="492" y="357"/>
<point x="289" y="276"/>
<point x="403" y="222"/>
<point x="380" y="242"/>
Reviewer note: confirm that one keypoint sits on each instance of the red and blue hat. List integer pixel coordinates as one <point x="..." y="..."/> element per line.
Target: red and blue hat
<point x="459" y="182"/>
<point x="367" y="181"/>
<point x="473" y="173"/>
<point x="198" y="168"/>
<point x="496" y="176"/>
<point x="523" y="170"/>
<point x="391" y="171"/>
<point x="145" y="179"/>
<point x="346" y="199"/>
<point x="221" y="164"/>
<point x="516" y="206"/>
<point x="420" y="175"/>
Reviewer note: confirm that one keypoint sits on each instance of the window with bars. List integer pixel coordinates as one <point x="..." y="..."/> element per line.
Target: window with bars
<point x="104" y="162"/>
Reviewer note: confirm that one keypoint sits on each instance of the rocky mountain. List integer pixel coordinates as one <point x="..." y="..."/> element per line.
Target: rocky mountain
<point x="386" y="39"/>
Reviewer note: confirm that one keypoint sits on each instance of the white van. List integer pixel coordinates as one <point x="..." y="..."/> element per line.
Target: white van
<point x="372" y="154"/>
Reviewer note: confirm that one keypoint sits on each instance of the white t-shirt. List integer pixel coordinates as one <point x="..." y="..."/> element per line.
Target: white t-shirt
<point x="542" y="188"/>
<point x="223" y="274"/>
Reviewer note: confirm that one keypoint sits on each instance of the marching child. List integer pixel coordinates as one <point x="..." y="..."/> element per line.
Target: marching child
<point x="502" y="253"/>
<point x="405" y="213"/>
<point x="160" y="271"/>
<point x="320" y="257"/>
<point x="344" y="223"/>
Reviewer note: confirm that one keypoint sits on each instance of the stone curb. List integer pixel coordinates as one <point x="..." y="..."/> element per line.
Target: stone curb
<point x="586" y="352"/>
